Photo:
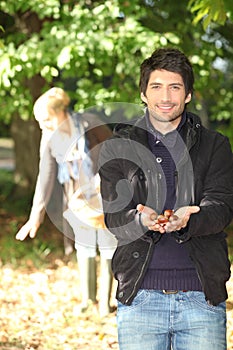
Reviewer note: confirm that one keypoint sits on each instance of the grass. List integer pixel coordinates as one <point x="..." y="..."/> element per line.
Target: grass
<point x="37" y="252"/>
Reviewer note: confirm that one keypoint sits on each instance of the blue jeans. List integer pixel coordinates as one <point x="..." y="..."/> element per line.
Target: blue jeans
<point x="182" y="321"/>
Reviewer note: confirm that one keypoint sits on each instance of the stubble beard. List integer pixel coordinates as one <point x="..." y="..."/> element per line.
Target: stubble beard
<point x="165" y="118"/>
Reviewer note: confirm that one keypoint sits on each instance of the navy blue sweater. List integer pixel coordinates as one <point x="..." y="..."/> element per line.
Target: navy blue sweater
<point x="170" y="266"/>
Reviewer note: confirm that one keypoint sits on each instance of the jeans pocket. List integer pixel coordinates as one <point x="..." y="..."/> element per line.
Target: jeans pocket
<point x="199" y="299"/>
<point x="140" y="299"/>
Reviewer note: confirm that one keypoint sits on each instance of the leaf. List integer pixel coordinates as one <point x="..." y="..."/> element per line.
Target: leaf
<point x="208" y="11"/>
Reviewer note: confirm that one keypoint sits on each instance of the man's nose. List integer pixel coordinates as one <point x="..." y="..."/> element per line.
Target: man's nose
<point x="166" y="94"/>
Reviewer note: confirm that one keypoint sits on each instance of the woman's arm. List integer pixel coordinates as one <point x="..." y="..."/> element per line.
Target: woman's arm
<point x="43" y="190"/>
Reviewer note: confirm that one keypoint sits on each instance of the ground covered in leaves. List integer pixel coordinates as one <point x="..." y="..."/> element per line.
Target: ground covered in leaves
<point x="39" y="311"/>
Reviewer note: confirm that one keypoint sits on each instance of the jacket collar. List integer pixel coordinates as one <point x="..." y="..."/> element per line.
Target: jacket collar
<point x="138" y="131"/>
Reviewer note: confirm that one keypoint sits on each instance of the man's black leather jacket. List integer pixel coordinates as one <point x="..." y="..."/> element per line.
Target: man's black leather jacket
<point x="130" y="175"/>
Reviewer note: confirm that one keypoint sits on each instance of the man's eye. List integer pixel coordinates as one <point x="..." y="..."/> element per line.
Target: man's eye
<point x="175" y="87"/>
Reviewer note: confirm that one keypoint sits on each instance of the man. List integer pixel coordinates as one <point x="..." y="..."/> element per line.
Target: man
<point x="171" y="269"/>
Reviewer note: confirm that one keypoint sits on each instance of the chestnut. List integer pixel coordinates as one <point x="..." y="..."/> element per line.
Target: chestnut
<point x="168" y="213"/>
<point x="162" y="219"/>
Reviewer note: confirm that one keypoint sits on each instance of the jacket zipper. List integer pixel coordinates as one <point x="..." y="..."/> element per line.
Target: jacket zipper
<point x="159" y="177"/>
<point x="151" y="242"/>
<point x="142" y="270"/>
<point x="176" y="183"/>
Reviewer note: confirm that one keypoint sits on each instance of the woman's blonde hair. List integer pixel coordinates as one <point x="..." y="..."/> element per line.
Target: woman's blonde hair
<point x="55" y="99"/>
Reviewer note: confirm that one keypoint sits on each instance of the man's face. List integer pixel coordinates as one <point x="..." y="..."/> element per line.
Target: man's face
<point x="165" y="97"/>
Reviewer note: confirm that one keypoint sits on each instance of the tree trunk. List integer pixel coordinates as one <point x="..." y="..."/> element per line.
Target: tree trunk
<point x="26" y="136"/>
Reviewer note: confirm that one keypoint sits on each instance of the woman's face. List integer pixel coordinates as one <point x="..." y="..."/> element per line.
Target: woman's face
<point x="49" y="119"/>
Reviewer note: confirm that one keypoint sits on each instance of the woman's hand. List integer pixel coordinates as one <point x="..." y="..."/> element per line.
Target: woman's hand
<point x="29" y="229"/>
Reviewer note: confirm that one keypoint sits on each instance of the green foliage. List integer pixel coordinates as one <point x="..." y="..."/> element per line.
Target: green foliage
<point x="93" y="45"/>
<point x="94" y="50"/>
<point x="1" y="42"/>
<point x="208" y="11"/>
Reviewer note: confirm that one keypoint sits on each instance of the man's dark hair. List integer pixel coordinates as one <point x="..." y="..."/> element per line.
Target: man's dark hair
<point x="170" y="59"/>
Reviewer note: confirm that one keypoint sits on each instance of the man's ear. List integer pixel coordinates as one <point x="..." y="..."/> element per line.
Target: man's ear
<point x="188" y="98"/>
<point x="143" y="98"/>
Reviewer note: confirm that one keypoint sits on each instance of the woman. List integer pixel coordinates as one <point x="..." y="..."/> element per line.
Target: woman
<point x="69" y="149"/>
